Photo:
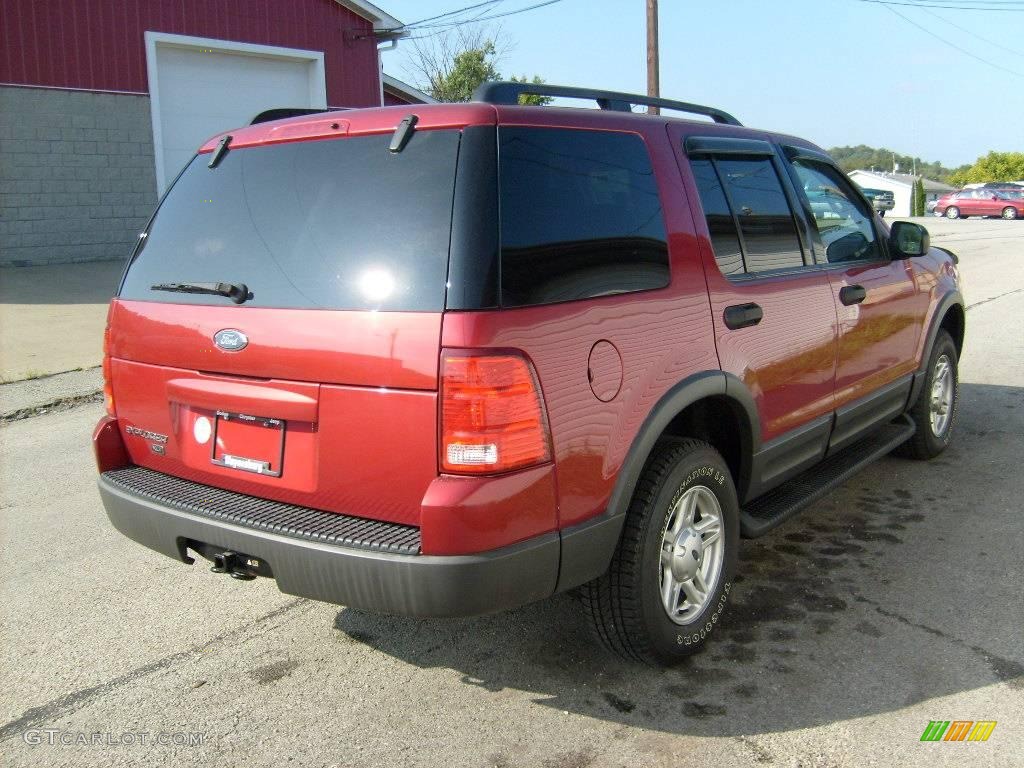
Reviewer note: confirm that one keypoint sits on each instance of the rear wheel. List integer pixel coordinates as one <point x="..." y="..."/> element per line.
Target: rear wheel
<point x="952" y="212"/>
<point x="670" y="577"/>
<point x="1009" y="212"/>
<point x="934" y="411"/>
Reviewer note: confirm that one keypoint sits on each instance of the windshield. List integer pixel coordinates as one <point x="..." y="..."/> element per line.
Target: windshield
<point x="330" y="224"/>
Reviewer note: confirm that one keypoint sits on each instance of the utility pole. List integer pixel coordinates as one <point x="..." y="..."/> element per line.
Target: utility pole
<point x="653" y="80"/>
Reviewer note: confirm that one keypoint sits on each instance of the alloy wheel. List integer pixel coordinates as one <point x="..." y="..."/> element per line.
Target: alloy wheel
<point x="692" y="554"/>
<point x="942" y="396"/>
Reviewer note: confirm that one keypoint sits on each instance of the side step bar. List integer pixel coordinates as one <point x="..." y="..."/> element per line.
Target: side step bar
<point x="778" y="505"/>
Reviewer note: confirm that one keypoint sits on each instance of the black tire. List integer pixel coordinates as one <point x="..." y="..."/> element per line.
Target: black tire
<point x="625" y="605"/>
<point x="952" y="212"/>
<point x="926" y="444"/>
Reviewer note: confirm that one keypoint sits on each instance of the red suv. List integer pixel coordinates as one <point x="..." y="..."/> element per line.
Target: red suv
<point x="980" y="202"/>
<point x="456" y="360"/>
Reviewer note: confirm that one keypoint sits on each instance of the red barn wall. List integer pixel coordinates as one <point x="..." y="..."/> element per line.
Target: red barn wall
<point x="99" y="45"/>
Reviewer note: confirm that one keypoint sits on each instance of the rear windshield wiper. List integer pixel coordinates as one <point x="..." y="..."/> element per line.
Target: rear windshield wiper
<point x="237" y="292"/>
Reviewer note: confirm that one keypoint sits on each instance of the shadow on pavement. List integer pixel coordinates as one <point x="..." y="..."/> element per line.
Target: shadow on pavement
<point x="848" y="610"/>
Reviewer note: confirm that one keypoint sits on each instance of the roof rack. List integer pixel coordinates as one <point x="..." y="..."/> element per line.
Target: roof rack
<point x="509" y="93"/>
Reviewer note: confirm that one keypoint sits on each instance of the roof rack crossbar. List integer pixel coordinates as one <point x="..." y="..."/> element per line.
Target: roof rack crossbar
<point x="509" y="93"/>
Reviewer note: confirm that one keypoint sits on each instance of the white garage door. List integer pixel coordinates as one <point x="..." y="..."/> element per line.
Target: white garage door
<point x="201" y="87"/>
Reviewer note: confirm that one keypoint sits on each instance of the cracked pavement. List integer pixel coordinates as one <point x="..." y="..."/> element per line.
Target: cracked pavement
<point x="894" y="601"/>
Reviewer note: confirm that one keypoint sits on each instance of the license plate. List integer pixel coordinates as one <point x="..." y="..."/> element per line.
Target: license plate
<point x="248" y="443"/>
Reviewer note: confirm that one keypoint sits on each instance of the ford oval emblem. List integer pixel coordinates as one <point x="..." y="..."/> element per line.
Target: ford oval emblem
<point x="230" y="339"/>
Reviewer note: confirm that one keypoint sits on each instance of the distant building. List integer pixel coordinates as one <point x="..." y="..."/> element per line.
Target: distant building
<point x="902" y="187"/>
<point x="102" y="103"/>
<point x="397" y="92"/>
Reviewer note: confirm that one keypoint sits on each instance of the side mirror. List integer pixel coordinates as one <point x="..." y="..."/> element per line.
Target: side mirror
<point x="909" y="239"/>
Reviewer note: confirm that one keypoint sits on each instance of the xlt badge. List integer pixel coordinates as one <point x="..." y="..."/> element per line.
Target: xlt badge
<point x="146" y="434"/>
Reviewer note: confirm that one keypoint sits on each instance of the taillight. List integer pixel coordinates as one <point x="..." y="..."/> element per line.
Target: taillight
<point x="492" y="416"/>
<point x="108" y="386"/>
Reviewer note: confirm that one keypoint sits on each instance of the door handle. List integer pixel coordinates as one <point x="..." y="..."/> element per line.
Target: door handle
<point x="742" y="316"/>
<point x="852" y="294"/>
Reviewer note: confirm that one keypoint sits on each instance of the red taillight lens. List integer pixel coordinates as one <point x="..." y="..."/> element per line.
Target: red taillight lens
<point x="492" y="417"/>
<point x="108" y="387"/>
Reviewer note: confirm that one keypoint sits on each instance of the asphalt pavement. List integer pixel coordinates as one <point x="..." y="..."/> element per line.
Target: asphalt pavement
<point x="893" y="602"/>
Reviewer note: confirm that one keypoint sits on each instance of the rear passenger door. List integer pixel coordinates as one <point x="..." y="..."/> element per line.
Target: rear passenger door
<point x="773" y="312"/>
<point x="970" y="203"/>
<point x="989" y="203"/>
<point x="879" y="306"/>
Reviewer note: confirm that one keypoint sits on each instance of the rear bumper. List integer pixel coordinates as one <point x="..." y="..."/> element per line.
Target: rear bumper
<point x="384" y="582"/>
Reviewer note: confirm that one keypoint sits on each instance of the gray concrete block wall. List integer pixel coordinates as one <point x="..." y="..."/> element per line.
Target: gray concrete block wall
<point x="77" y="175"/>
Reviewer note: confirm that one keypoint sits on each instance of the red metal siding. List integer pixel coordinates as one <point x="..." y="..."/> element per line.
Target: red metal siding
<point x="393" y="99"/>
<point x="99" y="45"/>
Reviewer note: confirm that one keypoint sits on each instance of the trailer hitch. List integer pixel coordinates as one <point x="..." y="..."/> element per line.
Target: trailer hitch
<point x="235" y="565"/>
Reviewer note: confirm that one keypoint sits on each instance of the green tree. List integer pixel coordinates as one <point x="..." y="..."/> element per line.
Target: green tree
<point x="450" y="67"/>
<point x="530" y="98"/>
<point x="865" y="157"/>
<point x="995" y="166"/>
<point x="919" y="199"/>
<point x="468" y="69"/>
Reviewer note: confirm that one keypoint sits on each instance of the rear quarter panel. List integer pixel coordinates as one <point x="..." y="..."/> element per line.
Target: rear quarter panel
<point x="662" y="336"/>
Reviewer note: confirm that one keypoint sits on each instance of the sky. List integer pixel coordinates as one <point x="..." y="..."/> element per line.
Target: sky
<point x="835" y="72"/>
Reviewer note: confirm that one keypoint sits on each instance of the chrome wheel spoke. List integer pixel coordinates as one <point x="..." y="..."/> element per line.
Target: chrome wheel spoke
<point x="710" y="529"/>
<point x="666" y="556"/>
<point x="670" y="593"/>
<point x="684" y="515"/>
<point x="694" y="594"/>
<point x="698" y="581"/>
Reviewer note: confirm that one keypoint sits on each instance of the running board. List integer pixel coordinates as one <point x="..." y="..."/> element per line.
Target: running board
<point x="771" y="509"/>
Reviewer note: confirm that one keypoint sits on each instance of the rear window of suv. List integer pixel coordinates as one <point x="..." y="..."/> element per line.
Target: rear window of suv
<point x="331" y="224"/>
<point x="580" y="216"/>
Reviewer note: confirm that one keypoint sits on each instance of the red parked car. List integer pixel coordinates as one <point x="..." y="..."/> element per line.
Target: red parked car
<point x="449" y="359"/>
<point x="980" y="202"/>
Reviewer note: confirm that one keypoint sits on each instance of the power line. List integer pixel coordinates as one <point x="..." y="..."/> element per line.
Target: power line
<point x="458" y="22"/>
<point x="968" y="4"/>
<point x="451" y="23"/>
<point x="974" y="34"/>
<point x="445" y="30"/>
<point x="1017" y="8"/>
<point x="412" y="24"/>
<point x="947" y="42"/>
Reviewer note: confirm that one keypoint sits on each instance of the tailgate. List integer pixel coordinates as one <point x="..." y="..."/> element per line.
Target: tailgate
<point x="254" y="422"/>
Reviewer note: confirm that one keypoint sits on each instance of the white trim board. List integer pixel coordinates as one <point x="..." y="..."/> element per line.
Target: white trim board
<point x="317" y="83"/>
<point x="371" y="12"/>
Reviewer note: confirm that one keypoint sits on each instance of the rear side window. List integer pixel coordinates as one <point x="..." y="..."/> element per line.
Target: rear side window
<point x="580" y="216"/>
<point x="724" y="238"/>
<point x="759" y="210"/>
<point x="332" y="224"/>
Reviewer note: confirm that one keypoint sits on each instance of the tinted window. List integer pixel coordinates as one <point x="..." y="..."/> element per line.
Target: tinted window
<point x="842" y="220"/>
<point x="580" y="216"/>
<point x="721" y="226"/>
<point x="770" y="239"/>
<point x="339" y="224"/>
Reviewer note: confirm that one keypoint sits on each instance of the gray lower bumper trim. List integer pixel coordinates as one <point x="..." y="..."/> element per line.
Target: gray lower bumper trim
<point x="408" y="585"/>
